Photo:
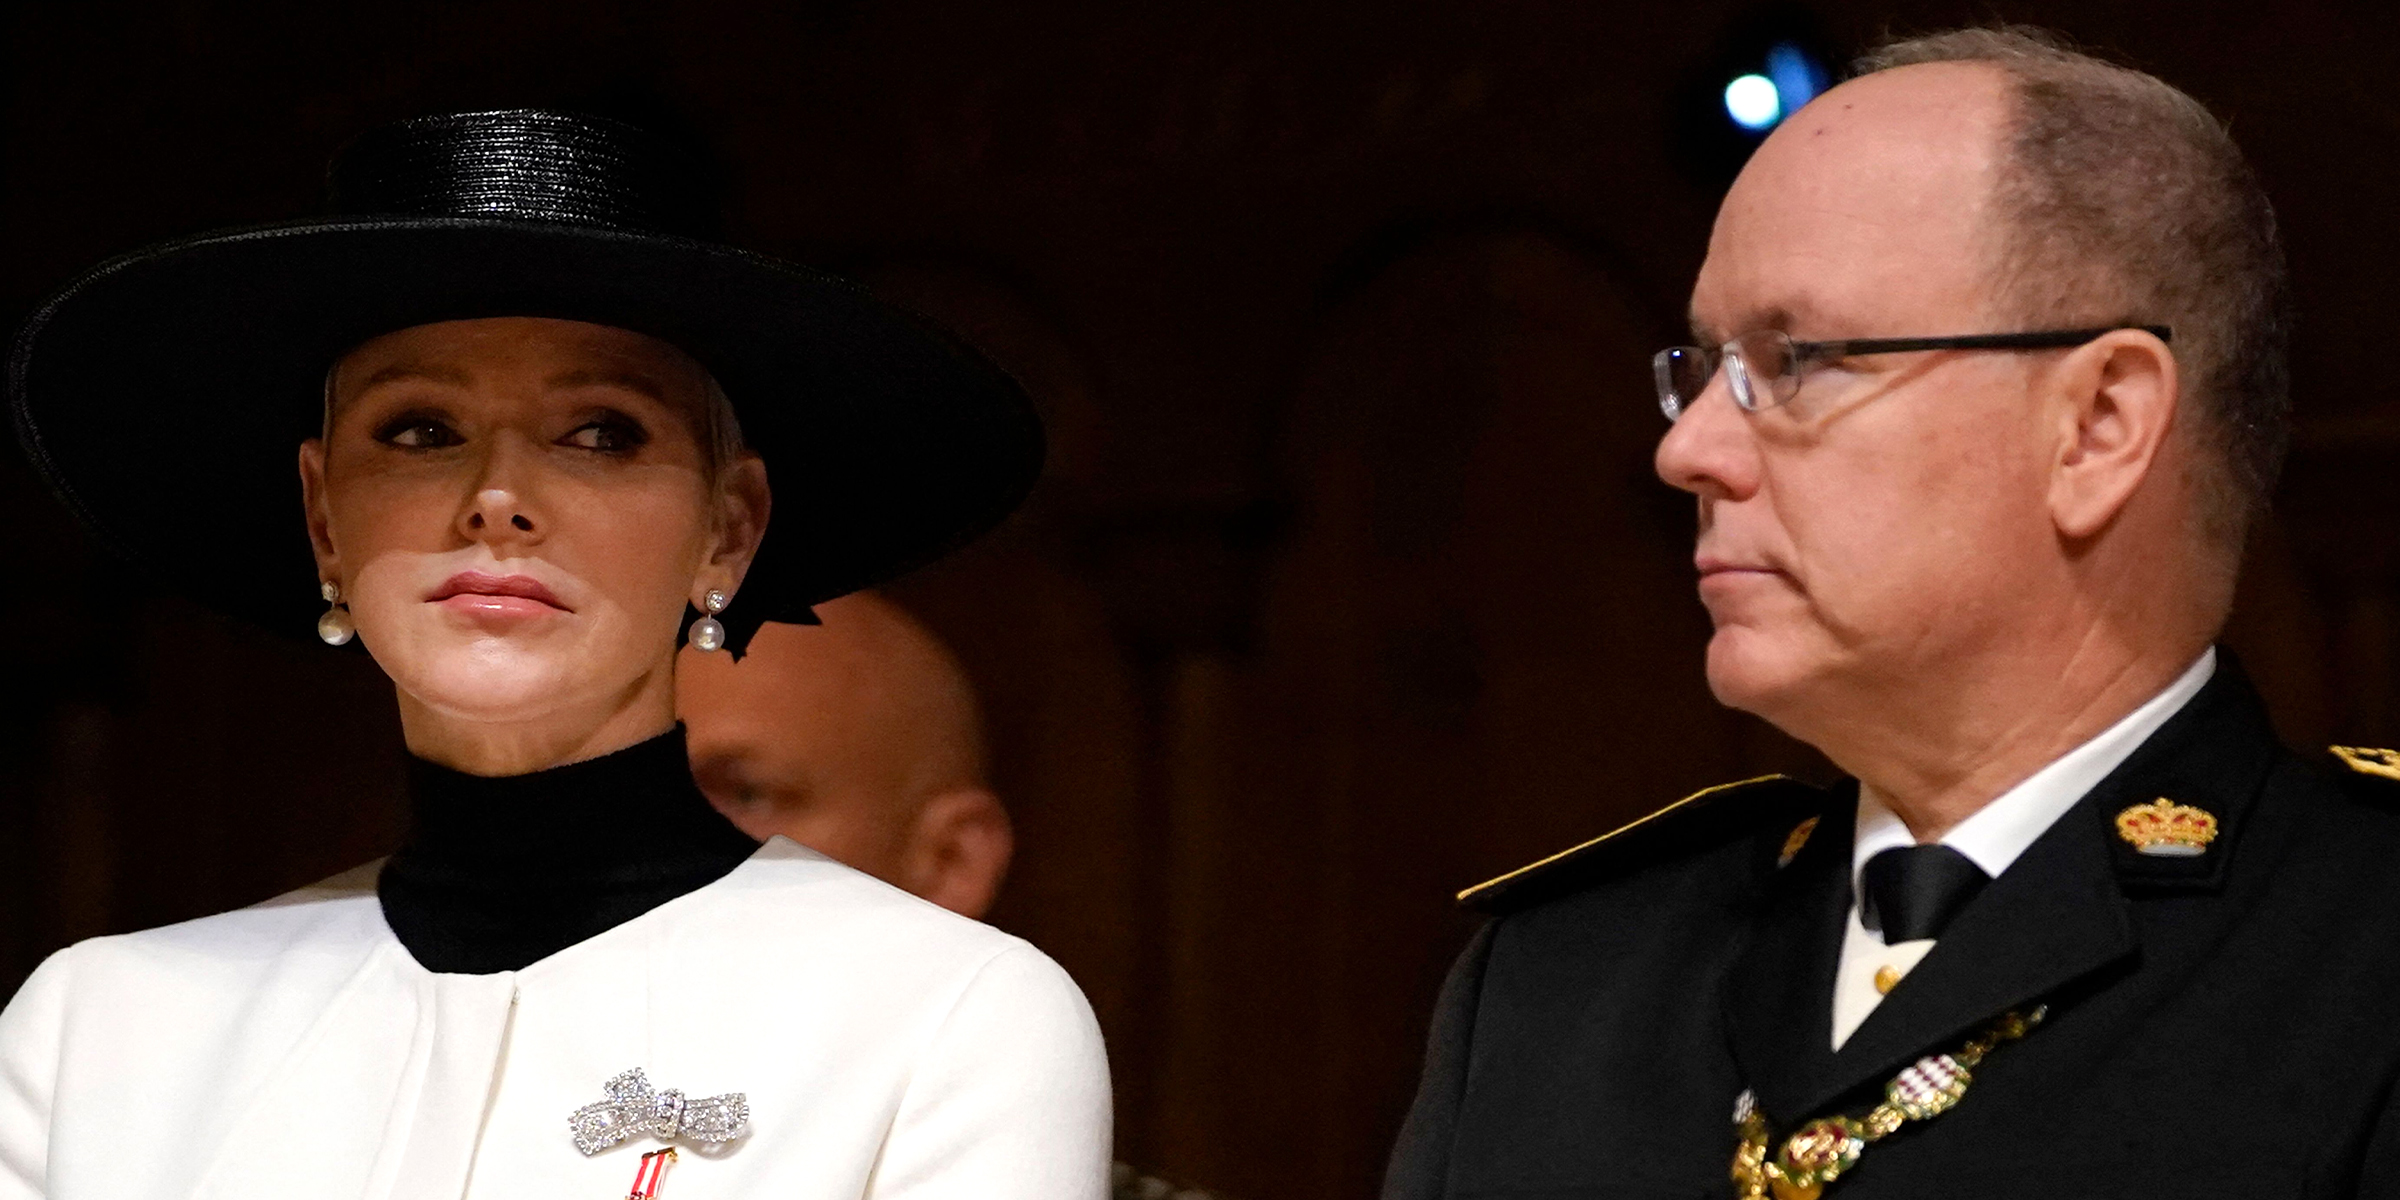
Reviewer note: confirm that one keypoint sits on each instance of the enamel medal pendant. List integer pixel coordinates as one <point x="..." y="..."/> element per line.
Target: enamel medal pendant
<point x="1823" y="1150"/>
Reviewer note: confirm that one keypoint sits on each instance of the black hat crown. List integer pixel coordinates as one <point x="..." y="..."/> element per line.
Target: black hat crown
<point x="522" y="164"/>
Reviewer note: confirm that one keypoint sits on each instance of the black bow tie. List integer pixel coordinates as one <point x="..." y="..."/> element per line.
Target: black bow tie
<point x="1911" y="893"/>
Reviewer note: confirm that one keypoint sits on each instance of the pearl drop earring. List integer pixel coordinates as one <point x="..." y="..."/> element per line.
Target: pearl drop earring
<point x="335" y="626"/>
<point x="707" y="634"/>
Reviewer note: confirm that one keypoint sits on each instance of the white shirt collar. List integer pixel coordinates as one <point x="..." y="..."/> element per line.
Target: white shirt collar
<point x="1998" y="832"/>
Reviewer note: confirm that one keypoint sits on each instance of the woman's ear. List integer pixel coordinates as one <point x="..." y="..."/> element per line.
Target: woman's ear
<point x="2119" y="396"/>
<point x="313" y="504"/>
<point x="743" y="504"/>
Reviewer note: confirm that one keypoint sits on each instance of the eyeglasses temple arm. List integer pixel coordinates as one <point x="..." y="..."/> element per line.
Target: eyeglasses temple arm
<point x="2046" y="340"/>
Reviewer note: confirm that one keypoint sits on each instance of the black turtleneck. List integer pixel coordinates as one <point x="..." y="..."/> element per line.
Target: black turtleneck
<point x="499" y="873"/>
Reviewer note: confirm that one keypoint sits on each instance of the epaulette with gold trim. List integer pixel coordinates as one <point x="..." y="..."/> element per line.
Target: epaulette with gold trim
<point x="2382" y="764"/>
<point x="1704" y="819"/>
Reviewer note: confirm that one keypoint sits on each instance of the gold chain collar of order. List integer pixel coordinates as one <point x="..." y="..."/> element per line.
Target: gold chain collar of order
<point x="1819" y="1151"/>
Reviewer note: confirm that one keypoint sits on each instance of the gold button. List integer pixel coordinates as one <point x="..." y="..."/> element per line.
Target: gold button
<point x="1886" y="978"/>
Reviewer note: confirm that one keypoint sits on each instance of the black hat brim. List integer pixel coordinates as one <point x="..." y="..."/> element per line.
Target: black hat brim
<point x="164" y="394"/>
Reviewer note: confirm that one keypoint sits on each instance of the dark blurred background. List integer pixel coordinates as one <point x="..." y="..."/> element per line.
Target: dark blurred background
<point x="1348" y="584"/>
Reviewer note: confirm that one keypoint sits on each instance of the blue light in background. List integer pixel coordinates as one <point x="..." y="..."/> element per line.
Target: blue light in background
<point x="1759" y="101"/>
<point x="1754" y="102"/>
<point x="1799" y="77"/>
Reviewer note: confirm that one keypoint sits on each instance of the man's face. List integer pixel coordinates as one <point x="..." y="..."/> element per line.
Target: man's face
<point x="859" y="739"/>
<point x="1870" y="529"/>
<point x="784" y="742"/>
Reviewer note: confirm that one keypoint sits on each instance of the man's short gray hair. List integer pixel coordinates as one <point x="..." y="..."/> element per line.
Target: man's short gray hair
<point x="2130" y="204"/>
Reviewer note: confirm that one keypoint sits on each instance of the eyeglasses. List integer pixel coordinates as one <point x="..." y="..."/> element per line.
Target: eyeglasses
<point x="1764" y="369"/>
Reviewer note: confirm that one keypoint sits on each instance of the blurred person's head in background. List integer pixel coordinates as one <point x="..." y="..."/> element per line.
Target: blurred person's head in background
<point x="861" y="739"/>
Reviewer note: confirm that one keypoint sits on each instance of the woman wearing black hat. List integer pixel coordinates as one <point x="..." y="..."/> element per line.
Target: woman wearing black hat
<point x="535" y="418"/>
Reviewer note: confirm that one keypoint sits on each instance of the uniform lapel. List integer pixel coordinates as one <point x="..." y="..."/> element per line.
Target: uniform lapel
<point x="2057" y="920"/>
<point x="1779" y="996"/>
<point x="2053" y="917"/>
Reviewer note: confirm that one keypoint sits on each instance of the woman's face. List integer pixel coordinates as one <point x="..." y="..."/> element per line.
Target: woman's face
<point x="517" y="511"/>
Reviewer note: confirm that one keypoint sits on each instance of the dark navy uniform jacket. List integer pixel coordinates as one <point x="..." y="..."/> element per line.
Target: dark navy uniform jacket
<point x="2224" y="1025"/>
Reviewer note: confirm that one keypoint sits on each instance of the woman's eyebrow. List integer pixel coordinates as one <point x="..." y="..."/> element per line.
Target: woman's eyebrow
<point x="631" y="381"/>
<point x="400" y="371"/>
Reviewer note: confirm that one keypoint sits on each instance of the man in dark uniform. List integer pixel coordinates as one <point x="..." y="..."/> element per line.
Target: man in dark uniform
<point x="1989" y="383"/>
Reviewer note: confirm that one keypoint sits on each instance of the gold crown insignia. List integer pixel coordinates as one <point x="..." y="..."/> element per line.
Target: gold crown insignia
<point x="2166" y="829"/>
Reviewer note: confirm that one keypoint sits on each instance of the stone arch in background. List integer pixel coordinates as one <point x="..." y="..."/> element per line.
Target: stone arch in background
<point x="1477" y="643"/>
<point x="1061" y="709"/>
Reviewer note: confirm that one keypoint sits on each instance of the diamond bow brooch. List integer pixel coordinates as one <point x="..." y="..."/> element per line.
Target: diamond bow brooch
<point x="634" y="1108"/>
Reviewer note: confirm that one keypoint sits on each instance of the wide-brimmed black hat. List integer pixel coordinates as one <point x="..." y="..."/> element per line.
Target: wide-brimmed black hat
<point x="164" y="394"/>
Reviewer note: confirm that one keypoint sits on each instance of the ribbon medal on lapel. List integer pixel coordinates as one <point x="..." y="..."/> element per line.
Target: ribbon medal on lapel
<point x="633" y="1108"/>
<point x="2165" y="829"/>
<point x="646" y="1177"/>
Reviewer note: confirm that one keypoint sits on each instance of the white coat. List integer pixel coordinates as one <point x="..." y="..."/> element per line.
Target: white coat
<point x="889" y="1051"/>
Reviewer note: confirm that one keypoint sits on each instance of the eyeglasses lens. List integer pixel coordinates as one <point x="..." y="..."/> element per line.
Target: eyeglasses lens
<point x="1682" y="373"/>
<point x="1760" y="366"/>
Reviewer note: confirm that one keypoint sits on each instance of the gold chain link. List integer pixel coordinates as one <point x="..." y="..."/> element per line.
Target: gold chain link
<point x="1819" y="1151"/>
